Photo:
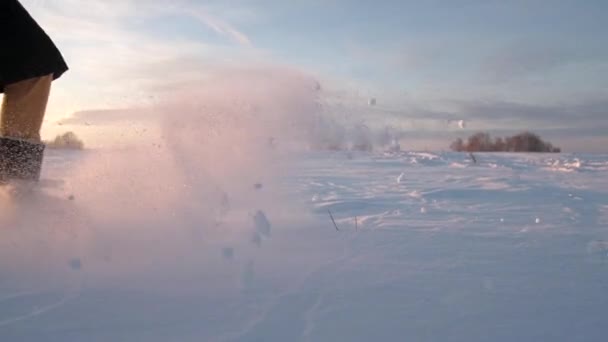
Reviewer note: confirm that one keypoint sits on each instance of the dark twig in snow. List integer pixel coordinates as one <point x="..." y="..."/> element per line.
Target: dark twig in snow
<point x="332" y="220"/>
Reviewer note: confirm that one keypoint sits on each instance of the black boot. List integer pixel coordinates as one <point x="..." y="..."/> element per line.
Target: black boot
<point x="20" y="160"/>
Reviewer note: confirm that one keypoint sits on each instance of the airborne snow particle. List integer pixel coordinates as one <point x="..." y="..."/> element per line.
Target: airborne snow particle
<point x="423" y="210"/>
<point x="262" y="225"/>
<point x="75" y="264"/>
<point x="248" y="274"/>
<point x="598" y="247"/>
<point x="537" y="220"/>
<point x="224" y="204"/>
<point x="256" y="239"/>
<point x="400" y="178"/>
<point x="461" y="124"/>
<point x="317" y="86"/>
<point x="228" y="252"/>
<point x="488" y="284"/>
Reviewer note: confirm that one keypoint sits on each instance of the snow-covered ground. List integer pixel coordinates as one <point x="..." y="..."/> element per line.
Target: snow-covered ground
<point x="425" y="247"/>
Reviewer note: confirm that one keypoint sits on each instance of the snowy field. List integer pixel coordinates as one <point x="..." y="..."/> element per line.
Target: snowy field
<point x="425" y="247"/>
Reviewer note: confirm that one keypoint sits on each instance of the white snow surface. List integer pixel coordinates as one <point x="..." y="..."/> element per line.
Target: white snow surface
<point x="162" y="244"/>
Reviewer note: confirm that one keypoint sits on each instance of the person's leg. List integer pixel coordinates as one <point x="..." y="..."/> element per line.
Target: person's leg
<point x="21" y="117"/>
<point x="23" y="108"/>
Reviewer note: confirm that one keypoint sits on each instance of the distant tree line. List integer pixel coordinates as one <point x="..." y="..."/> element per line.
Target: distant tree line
<point x="67" y="140"/>
<point x="522" y="142"/>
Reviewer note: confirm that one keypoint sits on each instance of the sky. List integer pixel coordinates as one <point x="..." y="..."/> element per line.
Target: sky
<point x="501" y="66"/>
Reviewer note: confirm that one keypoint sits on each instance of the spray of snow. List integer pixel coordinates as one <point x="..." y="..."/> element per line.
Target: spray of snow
<point x="187" y="193"/>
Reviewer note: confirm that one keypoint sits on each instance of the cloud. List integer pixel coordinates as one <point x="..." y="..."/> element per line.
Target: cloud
<point x="577" y="117"/>
<point x="107" y="117"/>
<point x="528" y="58"/>
<point x="220" y="26"/>
<point x="592" y="112"/>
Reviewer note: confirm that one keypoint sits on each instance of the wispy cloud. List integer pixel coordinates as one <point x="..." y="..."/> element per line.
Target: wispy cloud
<point x="80" y="18"/>
<point x="220" y="26"/>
